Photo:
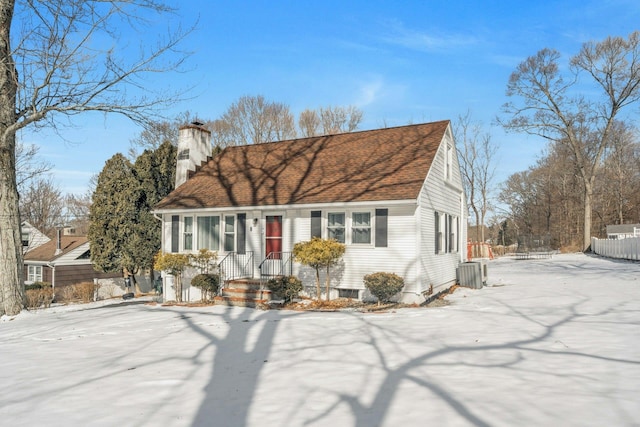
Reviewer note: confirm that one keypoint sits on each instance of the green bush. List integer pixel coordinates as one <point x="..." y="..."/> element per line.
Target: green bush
<point x="383" y="285"/>
<point x="37" y="285"/>
<point x="207" y="283"/>
<point x="285" y="287"/>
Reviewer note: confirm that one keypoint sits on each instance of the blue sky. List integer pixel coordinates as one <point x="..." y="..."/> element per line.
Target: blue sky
<point x="399" y="61"/>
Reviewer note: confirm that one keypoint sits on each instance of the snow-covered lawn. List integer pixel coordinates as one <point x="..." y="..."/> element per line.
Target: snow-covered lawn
<point x="547" y="343"/>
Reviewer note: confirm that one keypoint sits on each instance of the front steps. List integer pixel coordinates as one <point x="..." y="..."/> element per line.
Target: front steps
<point x="243" y="293"/>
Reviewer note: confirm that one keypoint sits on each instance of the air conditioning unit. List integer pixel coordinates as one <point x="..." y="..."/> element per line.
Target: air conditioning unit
<point x="469" y="275"/>
<point x="483" y="269"/>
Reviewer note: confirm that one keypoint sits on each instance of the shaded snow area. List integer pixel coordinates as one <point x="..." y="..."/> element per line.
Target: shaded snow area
<point x="546" y="343"/>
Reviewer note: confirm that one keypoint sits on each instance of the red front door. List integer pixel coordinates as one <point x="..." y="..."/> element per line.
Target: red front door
<point x="273" y="236"/>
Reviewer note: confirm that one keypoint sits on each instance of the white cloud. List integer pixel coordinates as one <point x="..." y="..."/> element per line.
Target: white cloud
<point x="398" y="34"/>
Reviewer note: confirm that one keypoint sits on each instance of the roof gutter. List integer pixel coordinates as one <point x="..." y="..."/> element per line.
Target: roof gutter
<point x="375" y="203"/>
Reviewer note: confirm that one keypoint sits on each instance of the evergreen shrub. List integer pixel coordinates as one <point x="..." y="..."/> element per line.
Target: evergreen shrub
<point x="285" y="287"/>
<point x="383" y="285"/>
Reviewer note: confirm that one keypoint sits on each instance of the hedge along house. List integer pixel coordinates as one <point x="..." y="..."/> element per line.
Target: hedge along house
<point x="393" y="196"/>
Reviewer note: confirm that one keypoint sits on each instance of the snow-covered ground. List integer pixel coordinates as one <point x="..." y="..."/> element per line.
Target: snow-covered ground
<point x="546" y="343"/>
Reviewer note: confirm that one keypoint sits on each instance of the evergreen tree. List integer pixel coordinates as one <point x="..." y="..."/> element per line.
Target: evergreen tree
<point x="113" y="215"/>
<point x="155" y="173"/>
<point x="123" y="233"/>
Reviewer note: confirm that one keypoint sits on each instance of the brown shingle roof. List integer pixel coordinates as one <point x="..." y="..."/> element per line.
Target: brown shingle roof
<point x="383" y="164"/>
<point x="47" y="252"/>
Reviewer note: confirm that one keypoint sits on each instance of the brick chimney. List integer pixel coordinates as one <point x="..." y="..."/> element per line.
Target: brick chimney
<point x="194" y="147"/>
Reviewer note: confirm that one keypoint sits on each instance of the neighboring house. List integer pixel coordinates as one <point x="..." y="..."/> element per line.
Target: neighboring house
<point x="31" y="237"/>
<point x="393" y="196"/>
<point x="62" y="261"/>
<point x="623" y="231"/>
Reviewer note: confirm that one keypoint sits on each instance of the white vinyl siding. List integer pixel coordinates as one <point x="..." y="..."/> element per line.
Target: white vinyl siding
<point x="441" y="200"/>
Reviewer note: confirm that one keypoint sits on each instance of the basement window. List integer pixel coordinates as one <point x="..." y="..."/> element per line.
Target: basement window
<point x="348" y="293"/>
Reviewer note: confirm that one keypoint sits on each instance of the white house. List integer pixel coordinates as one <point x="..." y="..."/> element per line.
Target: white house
<point x="623" y="231"/>
<point x="31" y="237"/>
<point x="393" y="196"/>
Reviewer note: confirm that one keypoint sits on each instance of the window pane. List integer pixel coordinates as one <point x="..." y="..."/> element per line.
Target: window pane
<point x="337" y="233"/>
<point x="361" y="227"/>
<point x="208" y="232"/>
<point x="361" y="235"/>
<point x="188" y="233"/>
<point x="336" y="222"/>
<point x="229" y="233"/>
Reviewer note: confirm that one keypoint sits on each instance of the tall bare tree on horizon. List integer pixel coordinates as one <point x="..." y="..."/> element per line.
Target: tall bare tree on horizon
<point x="553" y="105"/>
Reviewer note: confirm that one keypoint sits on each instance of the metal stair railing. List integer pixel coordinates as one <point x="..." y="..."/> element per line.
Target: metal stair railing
<point x="235" y="266"/>
<point x="276" y="264"/>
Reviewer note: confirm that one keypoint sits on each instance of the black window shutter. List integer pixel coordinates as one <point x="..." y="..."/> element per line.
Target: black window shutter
<point x="242" y="232"/>
<point x="175" y="233"/>
<point x="437" y="232"/>
<point x="316" y="224"/>
<point x="382" y="216"/>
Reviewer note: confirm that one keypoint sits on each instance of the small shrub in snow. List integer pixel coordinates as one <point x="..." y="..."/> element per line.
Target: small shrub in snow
<point x="383" y="286"/>
<point x="84" y="292"/>
<point x="285" y="287"/>
<point x="39" y="296"/>
<point x="207" y="283"/>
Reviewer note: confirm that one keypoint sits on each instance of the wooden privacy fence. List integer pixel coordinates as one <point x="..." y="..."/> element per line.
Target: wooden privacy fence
<point x="628" y="248"/>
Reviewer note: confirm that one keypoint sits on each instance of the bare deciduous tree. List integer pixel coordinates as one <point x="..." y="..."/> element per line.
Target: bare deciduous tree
<point x="156" y="132"/>
<point x="551" y="105"/>
<point x="476" y="153"/>
<point x="329" y="120"/>
<point x="253" y="120"/>
<point x="60" y="58"/>
<point x="77" y="209"/>
<point x="42" y="205"/>
<point x="28" y="164"/>
<point x="309" y="123"/>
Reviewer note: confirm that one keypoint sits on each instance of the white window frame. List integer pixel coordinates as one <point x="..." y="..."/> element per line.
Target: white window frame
<point x="186" y="233"/>
<point x="448" y="233"/>
<point x="369" y="227"/>
<point x="343" y="227"/>
<point x="229" y="234"/>
<point x="34" y="273"/>
<point x="199" y="244"/>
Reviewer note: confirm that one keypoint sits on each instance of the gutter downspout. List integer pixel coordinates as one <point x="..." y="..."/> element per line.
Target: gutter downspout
<point x="53" y="278"/>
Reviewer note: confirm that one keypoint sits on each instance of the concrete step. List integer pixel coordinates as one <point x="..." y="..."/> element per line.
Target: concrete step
<point x="253" y="284"/>
<point x="243" y="293"/>
<point x="239" y="302"/>
<point x="246" y="293"/>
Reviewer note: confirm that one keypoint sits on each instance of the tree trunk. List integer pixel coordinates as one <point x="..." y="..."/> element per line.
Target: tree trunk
<point x="588" y="197"/>
<point x="11" y="267"/>
<point x="318" y="295"/>
<point x="327" y="284"/>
